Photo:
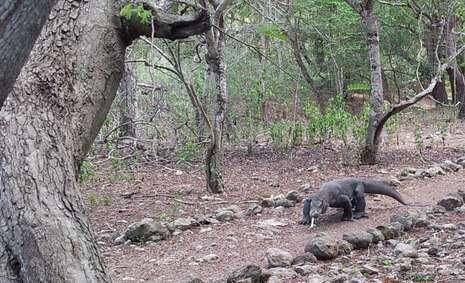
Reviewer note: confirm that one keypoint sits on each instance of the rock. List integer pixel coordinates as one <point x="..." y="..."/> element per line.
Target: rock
<point x="210" y="258"/>
<point x="293" y="196"/>
<point x="306" y="188"/>
<point x="461" y="193"/>
<point x="406" y="250"/>
<point x="146" y="230"/>
<point x="234" y="208"/>
<point x="304" y="259"/>
<point x="303" y="270"/>
<point x="451" y="201"/>
<point x="368" y="269"/>
<point x="323" y="247"/>
<point x="120" y="240"/>
<point x="406" y="219"/>
<point x="224" y="215"/>
<point x="405" y="172"/>
<point x="434" y="171"/>
<point x="250" y="273"/>
<point x="271" y="223"/>
<point x="388" y="231"/>
<point x="283" y="202"/>
<point x="278" y="258"/>
<point x="184" y="223"/>
<point x="344" y="247"/>
<point x="359" y="240"/>
<point x="281" y="273"/>
<point x="254" y="209"/>
<point x="317" y="278"/>
<point x="452" y="165"/>
<point x="377" y="235"/>
<point x="275" y="279"/>
<point x="195" y="280"/>
<point x="449" y="226"/>
<point x="433" y="251"/>
<point x="267" y="202"/>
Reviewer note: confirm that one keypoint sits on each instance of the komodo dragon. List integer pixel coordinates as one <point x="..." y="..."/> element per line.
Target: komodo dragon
<point x="349" y="194"/>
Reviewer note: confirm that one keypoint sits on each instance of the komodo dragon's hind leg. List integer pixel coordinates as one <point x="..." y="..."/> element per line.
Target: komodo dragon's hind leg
<point x="344" y="202"/>
<point x="359" y="202"/>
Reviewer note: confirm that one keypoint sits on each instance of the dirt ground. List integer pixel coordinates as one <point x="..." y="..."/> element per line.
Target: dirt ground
<point x="166" y="192"/>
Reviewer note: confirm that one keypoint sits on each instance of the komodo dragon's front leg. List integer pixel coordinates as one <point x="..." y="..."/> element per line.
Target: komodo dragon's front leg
<point x="359" y="202"/>
<point x="344" y="202"/>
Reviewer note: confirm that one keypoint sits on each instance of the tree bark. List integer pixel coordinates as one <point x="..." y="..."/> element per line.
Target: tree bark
<point x="216" y="65"/>
<point x="370" y="21"/>
<point x="128" y="103"/>
<point x="20" y="25"/>
<point x="47" y="126"/>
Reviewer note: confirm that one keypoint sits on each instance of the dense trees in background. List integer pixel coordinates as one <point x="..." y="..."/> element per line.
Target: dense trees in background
<point x="295" y="69"/>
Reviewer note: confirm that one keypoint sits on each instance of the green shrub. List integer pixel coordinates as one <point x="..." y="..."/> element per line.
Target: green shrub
<point x="188" y="151"/>
<point x="86" y="172"/>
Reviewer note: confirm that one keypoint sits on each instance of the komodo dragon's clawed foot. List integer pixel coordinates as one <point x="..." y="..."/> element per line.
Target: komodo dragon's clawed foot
<point x="359" y="215"/>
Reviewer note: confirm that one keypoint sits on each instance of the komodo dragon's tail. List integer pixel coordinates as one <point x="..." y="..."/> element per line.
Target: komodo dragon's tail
<point x="380" y="188"/>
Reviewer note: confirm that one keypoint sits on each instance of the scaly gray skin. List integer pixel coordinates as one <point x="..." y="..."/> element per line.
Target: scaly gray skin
<point x="349" y="194"/>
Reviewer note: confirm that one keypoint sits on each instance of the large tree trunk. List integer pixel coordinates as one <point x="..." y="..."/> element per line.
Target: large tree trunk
<point x="128" y="104"/>
<point x="47" y="126"/>
<point x="370" y="149"/>
<point x="20" y="25"/>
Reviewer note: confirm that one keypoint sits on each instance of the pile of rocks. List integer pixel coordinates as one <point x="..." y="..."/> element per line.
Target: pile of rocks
<point x="434" y="170"/>
<point x="151" y="230"/>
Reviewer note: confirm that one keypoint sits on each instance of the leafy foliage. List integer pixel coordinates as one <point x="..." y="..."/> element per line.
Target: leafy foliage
<point x="131" y="11"/>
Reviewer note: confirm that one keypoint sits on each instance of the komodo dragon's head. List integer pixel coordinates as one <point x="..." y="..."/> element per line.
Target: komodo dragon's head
<point x="317" y="207"/>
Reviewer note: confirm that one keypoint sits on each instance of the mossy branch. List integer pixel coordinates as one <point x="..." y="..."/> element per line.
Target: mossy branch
<point x="137" y="19"/>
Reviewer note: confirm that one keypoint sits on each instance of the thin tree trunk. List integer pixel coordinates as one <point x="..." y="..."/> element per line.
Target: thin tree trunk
<point x="216" y="62"/>
<point x="370" y="150"/>
<point x="20" y="25"/>
<point x="128" y="104"/>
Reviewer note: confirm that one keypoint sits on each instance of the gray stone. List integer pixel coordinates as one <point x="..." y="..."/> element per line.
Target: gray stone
<point x="210" y="258"/>
<point x="304" y="270"/>
<point x="250" y="273"/>
<point x="368" y="269"/>
<point x="278" y="258"/>
<point x="146" y="230"/>
<point x="451" y="201"/>
<point x="304" y="259"/>
<point x="224" y="215"/>
<point x="196" y="280"/>
<point x="283" y="202"/>
<point x="406" y="250"/>
<point x="406" y="219"/>
<point x="344" y="247"/>
<point x="451" y="165"/>
<point x="281" y="273"/>
<point x="293" y="196"/>
<point x="405" y="172"/>
<point x="185" y="223"/>
<point x="389" y="231"/>
<point x="434" y="171"/>
<point x="377" y="235"/>
<point x="306" y="188"/>
<point x="254" y="209"/>
<point x="317" y="278"/>
<point x="359" y="240"/>
<point x="323" y="247"/>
